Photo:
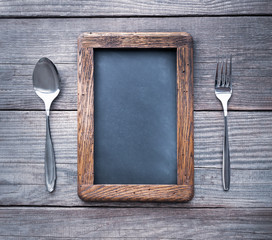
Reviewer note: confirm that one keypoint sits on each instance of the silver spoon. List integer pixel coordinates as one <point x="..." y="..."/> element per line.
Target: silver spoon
<point x="46" y="83"/>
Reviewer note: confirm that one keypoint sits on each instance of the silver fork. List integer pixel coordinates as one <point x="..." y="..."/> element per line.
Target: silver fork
<point x="223" y="91"/>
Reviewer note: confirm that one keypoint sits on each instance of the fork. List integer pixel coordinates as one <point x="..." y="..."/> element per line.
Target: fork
<point x="223" y="91"/>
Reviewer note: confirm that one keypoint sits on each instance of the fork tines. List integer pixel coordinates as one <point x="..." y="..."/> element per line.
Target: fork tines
<point x="223" y="72"/>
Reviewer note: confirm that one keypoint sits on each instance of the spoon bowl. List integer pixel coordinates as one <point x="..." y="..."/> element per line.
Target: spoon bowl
<point x="46" y="83"/>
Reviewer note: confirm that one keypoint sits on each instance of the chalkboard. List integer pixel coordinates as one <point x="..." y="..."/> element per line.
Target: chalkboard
<point x="135" y="117"/>
<point x="135" y="114"/>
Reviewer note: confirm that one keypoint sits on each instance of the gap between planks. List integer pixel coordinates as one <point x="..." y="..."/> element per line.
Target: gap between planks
<point x="136" y="16"/>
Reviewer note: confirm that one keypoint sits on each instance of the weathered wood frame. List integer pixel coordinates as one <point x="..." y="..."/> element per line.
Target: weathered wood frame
<point x="184" y="189"/>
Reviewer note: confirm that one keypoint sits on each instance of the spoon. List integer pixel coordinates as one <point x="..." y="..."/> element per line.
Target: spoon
<point x="46" y="83"/>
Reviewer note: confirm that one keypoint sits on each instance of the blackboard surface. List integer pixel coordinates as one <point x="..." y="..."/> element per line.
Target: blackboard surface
<point x="135" y="133"/>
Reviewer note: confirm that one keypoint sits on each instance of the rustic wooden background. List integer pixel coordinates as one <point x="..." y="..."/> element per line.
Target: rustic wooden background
<point x="33" y="29"/>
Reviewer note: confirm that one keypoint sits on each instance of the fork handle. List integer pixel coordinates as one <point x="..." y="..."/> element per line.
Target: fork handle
<point x="226" y="158"/>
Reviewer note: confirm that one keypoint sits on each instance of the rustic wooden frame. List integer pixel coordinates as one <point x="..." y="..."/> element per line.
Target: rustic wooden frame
<point x="184" y="189"/>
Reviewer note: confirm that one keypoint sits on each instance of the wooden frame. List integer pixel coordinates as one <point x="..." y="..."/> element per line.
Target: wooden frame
<point x="184" y="189"/>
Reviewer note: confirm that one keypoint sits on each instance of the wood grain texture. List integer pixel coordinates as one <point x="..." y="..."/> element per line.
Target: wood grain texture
<point x="136" y="193"/>
<point x="23" y="184"/>
<point x="185" y="116"/>
<point x="181" y="192"/>
<point x="250" y="135"/>
<point x="24" y="139"/>
<point x="24" y="41"/>
<point x="127" y="223"/>
<point x="85" y="119"/>
<point x="93" y="8"/>
<point x="135" y="40"/>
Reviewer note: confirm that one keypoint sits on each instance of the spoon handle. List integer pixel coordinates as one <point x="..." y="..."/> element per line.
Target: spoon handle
<point x="49" y="161"/>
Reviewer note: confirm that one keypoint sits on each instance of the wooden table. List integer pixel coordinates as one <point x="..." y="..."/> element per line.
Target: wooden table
<point x="50" y="29"/>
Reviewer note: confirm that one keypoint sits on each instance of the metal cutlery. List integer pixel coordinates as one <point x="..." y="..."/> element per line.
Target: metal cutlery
<point x="46" y="83"/>
<point x="223" y="91"/>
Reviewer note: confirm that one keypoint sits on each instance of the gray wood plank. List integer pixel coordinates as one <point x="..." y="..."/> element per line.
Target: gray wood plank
<point x="24" y="136"/>
<point x="23" y="184"/>
<point x="24" y="41"/>
<point x="133" y="8"/>
<point x="129" y="223"/>
<point x="250" y="133"/>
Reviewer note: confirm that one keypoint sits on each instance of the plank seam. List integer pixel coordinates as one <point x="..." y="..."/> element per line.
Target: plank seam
<point x="138" y="16"/>
<point x="167" y="205"/>
<point x="75" y="110"/>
